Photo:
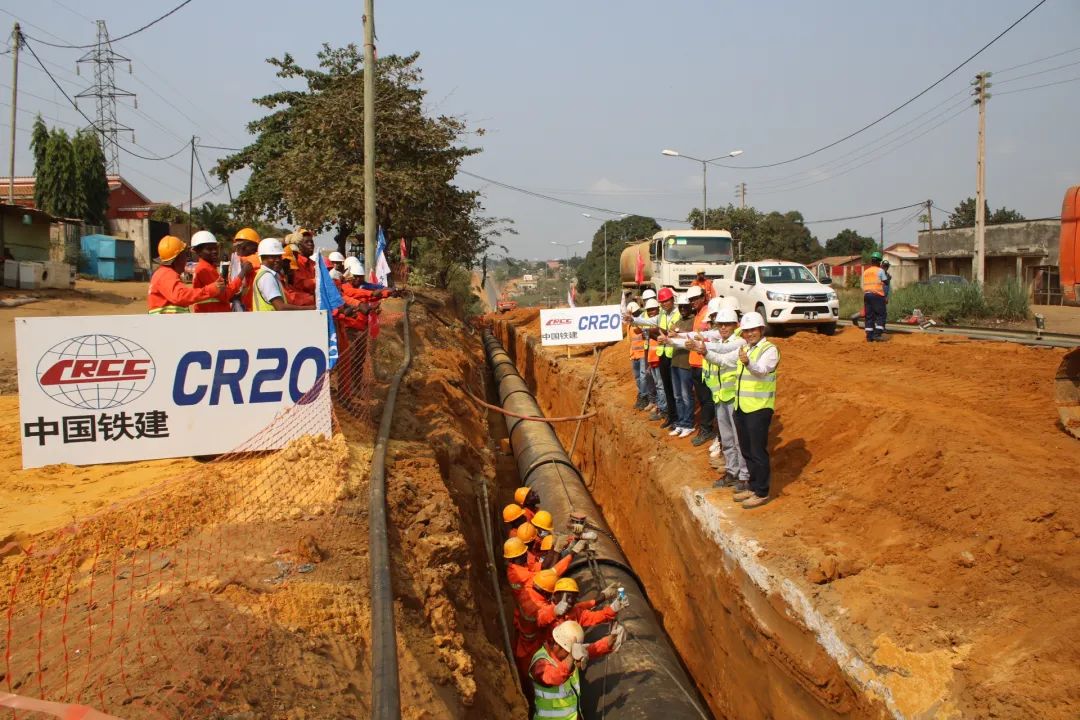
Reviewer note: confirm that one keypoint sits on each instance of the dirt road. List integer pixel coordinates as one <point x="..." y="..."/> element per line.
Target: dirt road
<point x="925" y="522"/>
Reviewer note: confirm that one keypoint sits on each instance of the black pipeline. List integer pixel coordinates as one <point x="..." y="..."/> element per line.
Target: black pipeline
<point x="645" y="679"/>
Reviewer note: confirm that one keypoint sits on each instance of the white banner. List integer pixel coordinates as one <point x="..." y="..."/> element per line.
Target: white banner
<point x="581" y="325"/>
<point x="134" y="387"/>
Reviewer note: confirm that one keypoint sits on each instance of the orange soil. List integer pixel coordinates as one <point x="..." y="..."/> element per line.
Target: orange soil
<point x="925" y="505"/>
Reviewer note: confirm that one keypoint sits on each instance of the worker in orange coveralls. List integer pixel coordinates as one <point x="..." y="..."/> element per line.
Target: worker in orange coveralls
<point x="513" y="518"/>
<point x="528" y="499"/>
<point x="555" y="669"/>
<point x="294" y="295"/>
<point x="207" y="273"/>
<point x="304" y="275"/>
<point x="168" y="295"/>
<point x="564" y="605"/>
<point x="530" y="599"/>
<point x="246" y="246"/>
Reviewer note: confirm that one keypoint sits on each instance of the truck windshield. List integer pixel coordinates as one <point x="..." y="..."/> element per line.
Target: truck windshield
<point x="785" y="274"/>
<point x="697" y="249"/>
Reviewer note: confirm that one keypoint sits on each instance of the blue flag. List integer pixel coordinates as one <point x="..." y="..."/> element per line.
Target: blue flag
<point x="328" y="298"/>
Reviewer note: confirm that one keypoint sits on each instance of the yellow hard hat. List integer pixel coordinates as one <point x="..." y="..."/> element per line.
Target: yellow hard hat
<point x="542" y="519"/>
<point x="545" y="580"/>
<point x="290" y="256"/>
<point x="512" y="512"/>
<point x="526" y="533"/>
<point x="303" y="231"/>
<point x="169" y="248"/>
<point x="547" y="542"/>
<point x="247" y="234"/>
<point x="513" y="548"/>
<point x="567" y="585"/>
<point x="520" y="494"/>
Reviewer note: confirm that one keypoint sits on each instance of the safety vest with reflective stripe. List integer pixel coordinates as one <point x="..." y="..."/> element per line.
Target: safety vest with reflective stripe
<point x="871" y="281"/>
<point x="170" y="309"/>
<point x="637" y="343"/>
<point x="667" y="321"/>
<point x="722" y="384"/>
<point x="559" y="702"/>
<point x="258" y="303"/>
<point x="751" y="392"/>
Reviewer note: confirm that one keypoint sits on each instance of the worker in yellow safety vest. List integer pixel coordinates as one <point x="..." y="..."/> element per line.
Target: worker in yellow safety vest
<point x="269" y="289"/>
<point x="753" y="405"/>
<point x="555" y="669"/>
<point x="669" y="318"/>
<point x="719" y="372"/>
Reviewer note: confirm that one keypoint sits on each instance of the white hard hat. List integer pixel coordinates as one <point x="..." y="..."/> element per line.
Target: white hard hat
<point x="752" y="320"/>
<point x="632" y="308"/>
<point x="566" y="634"/>
<point x="693" y="292"/>
<point x="729" y="302"/>
<point x="353" y="266"/>
<point x="714" y="305"/>
<point x="203" y="237"/>
<point x="682" y="299"/>
<point x="651" y="304"/>
<point x="650" y="293"/>
<point x="725" y="315"/>
<point x="335" y="274"/>
<point x="336" y="257"/>
<point x="271" y="246"/>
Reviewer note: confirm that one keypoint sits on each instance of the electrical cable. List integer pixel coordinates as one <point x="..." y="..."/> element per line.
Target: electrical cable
<point x="91" y="122"/>
<point x="869" y="214"/>
<point x="562" y="201"/>
<point x="899" y="107"/>
<point x="1038" y="72"/>
<point x="122" y="37"/>
<point x="1037" y="87"/>
<point x="1034" y="62"/>
<point x="218" y="147"/>
<point x="199" y="163"/>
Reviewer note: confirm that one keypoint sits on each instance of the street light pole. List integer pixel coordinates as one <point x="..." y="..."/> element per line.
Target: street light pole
<point x="604" y="222"/>
<point x="704" y="178"/>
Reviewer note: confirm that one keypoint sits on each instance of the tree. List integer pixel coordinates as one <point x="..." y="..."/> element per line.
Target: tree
<point x="849" y="242"/>
<point x="620" y="232"/>
<point x="307" y="160"/>
<point x="760" y="236"/>
<point x="39" y="144"/>
<point x="215" y="217"/>
<point x="57" y="177"/>
<point x="964" y="215"/>
<point x="91" y="180"/>
<point x="169" y="213"/>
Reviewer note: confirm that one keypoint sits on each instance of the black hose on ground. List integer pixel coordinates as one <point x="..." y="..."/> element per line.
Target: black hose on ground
<point x="647" y="679"/>
<point x="385" y="692"/>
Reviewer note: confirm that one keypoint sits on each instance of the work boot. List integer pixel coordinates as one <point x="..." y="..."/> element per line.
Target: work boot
<point x="640" y="404"/>
<point x="754" y="501"/>
<point x="743" y="495"/>
<point x="739" y="487"/>
<point x="656" y="416"/>
<point x="701" y="439"/>
<point x="668" y="422"/>
<point x="726" y="480"/>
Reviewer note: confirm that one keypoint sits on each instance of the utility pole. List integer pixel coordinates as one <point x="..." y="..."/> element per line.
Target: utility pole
<point x="704" y="196"/>
<point x="370" y="221"/>
<point x="981" y="96"/>
<point x="191" y="190"/>
<point x="105" y="92"/>
<point x="930" y="234"/>
<point x="882" y="240"/>
<point x="740" y="192"/>
<point x="16" y="39"/>
<point x="605" y="261"/>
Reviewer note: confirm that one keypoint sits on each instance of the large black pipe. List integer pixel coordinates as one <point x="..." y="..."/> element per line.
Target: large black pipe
<point x="645" y="679"/>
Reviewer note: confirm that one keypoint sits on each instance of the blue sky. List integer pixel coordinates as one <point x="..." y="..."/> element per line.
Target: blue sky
<point x="578" y="99"/>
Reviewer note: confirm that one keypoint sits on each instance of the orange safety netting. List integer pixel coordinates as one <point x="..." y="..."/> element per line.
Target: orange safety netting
<point x="147" y="609"/>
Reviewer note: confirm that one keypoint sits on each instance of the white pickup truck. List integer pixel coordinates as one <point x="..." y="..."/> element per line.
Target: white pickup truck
<point x="786" y="294"/>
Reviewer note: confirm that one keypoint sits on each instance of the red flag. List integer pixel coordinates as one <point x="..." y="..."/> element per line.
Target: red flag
<point x="404" y="251"/>
<point x="639" y="271"/>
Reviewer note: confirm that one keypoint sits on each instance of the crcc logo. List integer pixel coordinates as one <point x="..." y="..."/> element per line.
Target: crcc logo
<point x="95" y="372"/>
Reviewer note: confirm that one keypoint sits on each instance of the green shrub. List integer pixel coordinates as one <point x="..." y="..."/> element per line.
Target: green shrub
<point x="954" y="303"/>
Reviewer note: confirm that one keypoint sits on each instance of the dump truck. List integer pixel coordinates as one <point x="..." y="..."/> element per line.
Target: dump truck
<point x="672" y="258"/>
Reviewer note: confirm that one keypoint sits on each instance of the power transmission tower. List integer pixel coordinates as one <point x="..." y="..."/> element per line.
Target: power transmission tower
<point x="105" y="92"/>
<point x="981" y="96"/>
<point x="740" y="192"/>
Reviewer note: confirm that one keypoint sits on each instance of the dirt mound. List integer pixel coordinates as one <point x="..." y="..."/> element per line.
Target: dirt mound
<point x="925" y="509"/>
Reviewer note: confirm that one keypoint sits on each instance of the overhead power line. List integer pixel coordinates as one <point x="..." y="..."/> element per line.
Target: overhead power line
<point x="1036" y="87"/>
<point x="118" y="39"/>
<point x="1035" y="62"/>
<point x="563" y="201"/>
<point x="91" y="122"/>
<point x="869" y="214"/>
<point x="1037" y="72"/>
<point x="898" y="108"/>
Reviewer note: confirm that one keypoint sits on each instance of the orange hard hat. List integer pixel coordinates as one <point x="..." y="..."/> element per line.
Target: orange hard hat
<point x="545" y="580"/>
<point x="169" y="248"/>
<point x="303" y="231"/>
<point x="512" y="512"/>
<point x="542" y="519"/>
<point x="547" y="542"/>
<point x="513" y="548"/>
<point x="520" y="494"/>
<point x="526" y="533"/>
<point x="567" y="585"/>
<point x="290" y="256"/>
<point x="247" y="234"/>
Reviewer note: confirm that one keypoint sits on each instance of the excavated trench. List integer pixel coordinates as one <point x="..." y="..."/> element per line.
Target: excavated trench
<point x="749" y="641"/>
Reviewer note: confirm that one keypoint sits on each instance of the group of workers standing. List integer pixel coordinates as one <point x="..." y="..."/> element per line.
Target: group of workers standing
<point x="702" y="371"/>
<point x="550" y="619"/>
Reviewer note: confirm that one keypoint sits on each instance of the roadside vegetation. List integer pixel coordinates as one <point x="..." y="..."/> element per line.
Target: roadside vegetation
<point x="949" y="304"/>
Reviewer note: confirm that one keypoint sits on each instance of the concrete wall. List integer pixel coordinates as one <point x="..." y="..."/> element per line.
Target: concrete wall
<point x="139" y="232"/>
<point x="1040" y="238"/>
<point x="26" y="243"/>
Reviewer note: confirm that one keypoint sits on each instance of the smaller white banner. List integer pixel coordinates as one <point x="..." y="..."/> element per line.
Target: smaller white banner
<point x="581" y="325"/>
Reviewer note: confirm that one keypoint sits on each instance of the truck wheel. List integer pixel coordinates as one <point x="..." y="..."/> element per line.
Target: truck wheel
<point x="770" y="328"/>
<point x="827" y="329"/>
